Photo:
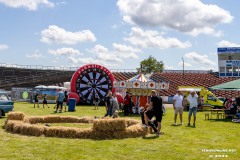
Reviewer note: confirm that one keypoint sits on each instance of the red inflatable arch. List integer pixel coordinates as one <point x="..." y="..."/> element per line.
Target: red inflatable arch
<point x="92" y="80"/>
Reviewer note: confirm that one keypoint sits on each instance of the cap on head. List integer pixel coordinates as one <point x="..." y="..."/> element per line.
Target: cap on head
<point x="153" y="92"/>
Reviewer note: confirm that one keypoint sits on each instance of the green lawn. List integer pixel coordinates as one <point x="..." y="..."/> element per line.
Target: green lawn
<point x="178" y="142"/>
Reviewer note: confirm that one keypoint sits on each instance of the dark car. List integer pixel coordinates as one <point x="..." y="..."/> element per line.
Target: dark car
<point x="6" y="105"/>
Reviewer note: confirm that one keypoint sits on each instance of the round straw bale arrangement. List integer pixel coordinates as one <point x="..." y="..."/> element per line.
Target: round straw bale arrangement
<point x="107" y="128"/>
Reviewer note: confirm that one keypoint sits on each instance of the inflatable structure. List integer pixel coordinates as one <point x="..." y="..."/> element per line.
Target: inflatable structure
<point x="92" y="81"/>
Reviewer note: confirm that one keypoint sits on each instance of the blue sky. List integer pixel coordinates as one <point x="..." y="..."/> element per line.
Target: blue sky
<point x="117" y="33"/>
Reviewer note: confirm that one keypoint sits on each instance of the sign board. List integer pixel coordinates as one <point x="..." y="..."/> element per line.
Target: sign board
<point x="21" y="94"/>
<point x="234" y="63"/>
<point x="228" y="50"/>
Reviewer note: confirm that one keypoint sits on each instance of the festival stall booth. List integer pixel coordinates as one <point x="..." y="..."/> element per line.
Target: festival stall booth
<point x="140" y="86"/>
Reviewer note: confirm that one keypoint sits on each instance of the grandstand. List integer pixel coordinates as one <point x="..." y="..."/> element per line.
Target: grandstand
<point x="31" y="76"/>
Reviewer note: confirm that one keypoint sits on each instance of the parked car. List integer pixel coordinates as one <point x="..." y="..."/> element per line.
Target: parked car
<point x="6" y="104"/>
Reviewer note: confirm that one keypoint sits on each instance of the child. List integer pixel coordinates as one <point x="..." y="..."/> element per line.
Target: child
<point x="36" y="99"/>
<point x="96" y="101"/>
<point x="45" y="100"/>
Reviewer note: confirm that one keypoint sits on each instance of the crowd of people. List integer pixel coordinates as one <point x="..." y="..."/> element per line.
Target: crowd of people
<point x="61" y="100"/>
<point x="233" y="105"/>
<point x="193" y="102"/>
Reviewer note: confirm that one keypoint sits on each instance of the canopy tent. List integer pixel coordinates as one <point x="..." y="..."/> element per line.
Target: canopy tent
<point x="233" y="85"/>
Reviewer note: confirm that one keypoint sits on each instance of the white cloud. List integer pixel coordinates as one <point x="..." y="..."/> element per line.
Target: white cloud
<point x="154" y="39"/>
<point x="118" y="53"/>
<point x="89" y="60"/>
<point x="64" y="51"/>
<point x="124" y="51"/>
<point x="102" y="53"/>
<point x="168" y="67"/>
<point x="199" y="59"/>
<point x="3" y="46"/>
<point x="224" y="43"/>
<point x="185" y="64"/>
<point x="29" y="4"/>
<point x="213" y="54"/>
<point x="104" y="56"/>
<point x="55" y="34"/>
<point x="188" y="16"/>
<point x="35" y="55"/>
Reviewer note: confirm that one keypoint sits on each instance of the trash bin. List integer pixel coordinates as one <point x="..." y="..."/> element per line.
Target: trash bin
<point x="71" y="104"/>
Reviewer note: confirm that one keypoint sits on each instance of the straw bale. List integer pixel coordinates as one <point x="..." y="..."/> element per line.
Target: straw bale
<point x="52" y="131"/>
<point x="52" y="119"/>
<point x="17" y="126"/>
<point x="33" y="130"/>
<point x="84" y="133"/>
<point x="69" y="119"/>
<point x="9" y="125"/>
<point x="131" y="132"/>
<point x="103" y="134"/>
<point x="15" y="116"/>
<point x="136" y="131"/>
<point x="34" y="119"/>
<point x="86" y="119"/>
<point x="5" y="123"/>
<point x="131" y="122"/>
<point x="67" y="132"/>
<point x="109" y="125"/>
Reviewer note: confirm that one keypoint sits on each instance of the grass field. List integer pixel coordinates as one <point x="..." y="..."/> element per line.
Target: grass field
<point x="179" y="142"/>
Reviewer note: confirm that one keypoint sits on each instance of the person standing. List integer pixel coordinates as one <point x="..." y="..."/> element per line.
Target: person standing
<point x="36" y="99"/>
<point x="115" y="104"/>
<point x="45" y="100"/>
<point x="65" y="100"/>
<point x="185" y="103"/>
<point x="127" y="101"/>
<point x="96" y="101"/>
<point x="178" y="107"/>
<point x="238" y="101"/>
<point x="60" y="97"/>
<point x="109" y="104"/>
<point x="193" y="102"/>
<point x="154" y="109"/>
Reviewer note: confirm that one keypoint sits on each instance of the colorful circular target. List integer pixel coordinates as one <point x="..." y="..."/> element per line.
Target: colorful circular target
<point x="92" y="81"/>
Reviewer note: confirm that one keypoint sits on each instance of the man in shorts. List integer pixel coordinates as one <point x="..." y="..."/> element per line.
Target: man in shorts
<point x="60" y="97"/>
<point x="178" y="107"/>
<point x="36" y="99"/>
<point x="193" y="102"/>
<point x="154" y="109"/>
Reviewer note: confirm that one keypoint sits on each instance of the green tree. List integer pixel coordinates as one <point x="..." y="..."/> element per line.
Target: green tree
<point x="150" y="65"/>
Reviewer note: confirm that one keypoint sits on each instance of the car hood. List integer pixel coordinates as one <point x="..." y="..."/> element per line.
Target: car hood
<point x="6" y="102"/>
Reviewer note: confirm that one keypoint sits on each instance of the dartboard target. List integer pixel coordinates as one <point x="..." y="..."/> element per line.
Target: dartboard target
<point x="90" y="81"/>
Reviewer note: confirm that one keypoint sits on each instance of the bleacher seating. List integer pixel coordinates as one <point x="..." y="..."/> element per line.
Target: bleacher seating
<point x="205" y="80"/>
<point x="20" y="77"/>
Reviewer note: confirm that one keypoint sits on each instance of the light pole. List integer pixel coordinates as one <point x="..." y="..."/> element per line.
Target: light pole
<point x="183" y="70"/>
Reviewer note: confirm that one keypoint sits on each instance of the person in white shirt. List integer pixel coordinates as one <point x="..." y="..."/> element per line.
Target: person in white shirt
<point x="178" y="107"/>
<point x="193" y="103"/>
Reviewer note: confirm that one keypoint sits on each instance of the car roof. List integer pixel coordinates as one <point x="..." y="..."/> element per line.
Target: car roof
<point x="3" y="92"/>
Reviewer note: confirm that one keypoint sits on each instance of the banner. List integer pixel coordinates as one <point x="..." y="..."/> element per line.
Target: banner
<point x="21" y="94"/>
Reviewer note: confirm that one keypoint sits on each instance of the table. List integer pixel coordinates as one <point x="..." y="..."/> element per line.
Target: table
<point x="217" y="111"/>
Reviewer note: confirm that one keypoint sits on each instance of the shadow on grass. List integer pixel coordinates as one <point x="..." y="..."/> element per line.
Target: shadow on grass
<point x="150" y="137"/>
<point x="175" y="125"/>
<point x="191" y="126"/>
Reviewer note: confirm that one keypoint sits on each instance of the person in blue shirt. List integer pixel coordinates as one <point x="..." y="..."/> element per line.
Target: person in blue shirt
<point x="60" y="98"/>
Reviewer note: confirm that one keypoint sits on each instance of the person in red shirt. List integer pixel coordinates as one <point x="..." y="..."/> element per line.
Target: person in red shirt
<point x="127" y="100"/>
